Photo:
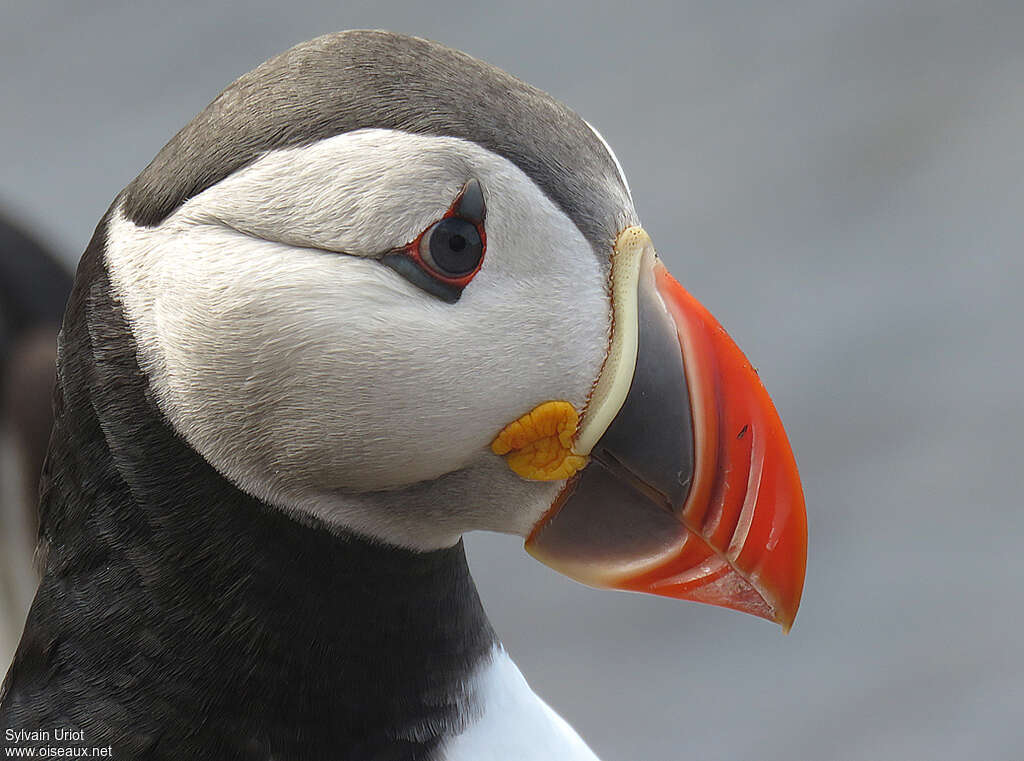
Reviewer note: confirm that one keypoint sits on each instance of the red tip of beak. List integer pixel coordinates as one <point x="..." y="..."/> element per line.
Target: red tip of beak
<point x="746" y="540"/>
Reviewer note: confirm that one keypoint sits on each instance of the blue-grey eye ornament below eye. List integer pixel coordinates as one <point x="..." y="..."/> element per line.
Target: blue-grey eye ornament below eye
<point x="445" y="257"/>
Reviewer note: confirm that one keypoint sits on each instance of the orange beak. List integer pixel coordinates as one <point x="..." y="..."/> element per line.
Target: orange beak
<point x="692" y="492"/>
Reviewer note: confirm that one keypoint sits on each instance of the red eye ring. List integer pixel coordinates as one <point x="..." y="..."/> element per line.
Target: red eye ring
<point x="419" y="250"/>
<point x="443" y="273"/>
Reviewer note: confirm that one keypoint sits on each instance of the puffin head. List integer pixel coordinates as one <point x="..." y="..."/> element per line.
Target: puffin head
<point x="387" y="287"/>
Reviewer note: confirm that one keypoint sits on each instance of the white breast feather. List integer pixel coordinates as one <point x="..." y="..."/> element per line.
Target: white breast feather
<point x="515" y="724"/>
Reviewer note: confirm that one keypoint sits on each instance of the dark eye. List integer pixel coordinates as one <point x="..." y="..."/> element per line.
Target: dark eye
<point x="452" y="247"/>
<point x="446" y="256"/>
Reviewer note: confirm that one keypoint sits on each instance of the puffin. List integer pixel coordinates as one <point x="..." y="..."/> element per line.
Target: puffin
<point x="34" y="287"/>
<point x="376" y="295"/>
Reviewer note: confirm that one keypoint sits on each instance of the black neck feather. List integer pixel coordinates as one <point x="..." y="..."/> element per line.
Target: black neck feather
<point x="180" y="618"/>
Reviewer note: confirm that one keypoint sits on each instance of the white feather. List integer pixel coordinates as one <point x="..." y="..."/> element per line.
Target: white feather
<point x="618" y="166"/>
<point x="514" y="723"/>
<point x="315" y="380"/>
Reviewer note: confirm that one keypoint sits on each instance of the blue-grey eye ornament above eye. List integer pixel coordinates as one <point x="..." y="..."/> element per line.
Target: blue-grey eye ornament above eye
<point x="445" y="257"/>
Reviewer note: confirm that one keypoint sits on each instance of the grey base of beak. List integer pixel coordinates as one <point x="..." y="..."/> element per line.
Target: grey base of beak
<point x="624" y="504"/>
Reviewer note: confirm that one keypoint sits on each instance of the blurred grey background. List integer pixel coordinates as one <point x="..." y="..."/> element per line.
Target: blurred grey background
<point x="842" y="183"/>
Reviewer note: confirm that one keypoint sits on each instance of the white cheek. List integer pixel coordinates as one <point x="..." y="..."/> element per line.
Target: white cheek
<point x="305" y="375"/>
